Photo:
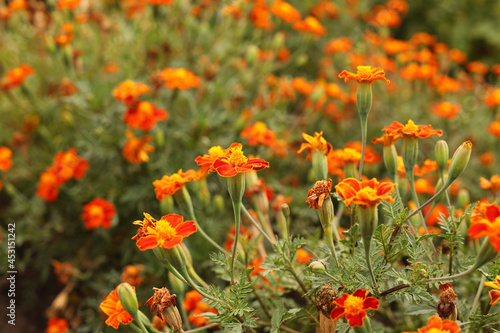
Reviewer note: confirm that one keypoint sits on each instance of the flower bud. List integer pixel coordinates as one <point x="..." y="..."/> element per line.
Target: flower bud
<point x="391" y="159"/>
<point x="285" y="209"/>
<point x="423" y="273"/>
<point x="252" y="54"/>
<point x="364" y="98"/>
<point x="219" y="202"/>
<point x="459" y="161"/>
<point x="236" y="186"/>
<point x="486" y="254"/>
<point x="463" y="197"/>
<point x="317" y="267"/>
<point x="128" y="298"/>
<point x="410" y="152"/>
<point x="177" y="285"/>
<point x="278" y="40"/>
<point x="442" y="155"/>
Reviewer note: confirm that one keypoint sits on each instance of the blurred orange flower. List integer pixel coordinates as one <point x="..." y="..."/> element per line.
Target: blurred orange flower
<point x="260" y="15"/>
<point x="98" y="213"/>
<point x="494" y="294"/>
<point x="487" y="158"/>
<point x="445" y="84"/>
<point x="128" y="91"/>
<point x="493" y="184"/>
<point x="144" y="115"/>
<point x="68" y="4"/>
<point x="422" y="186"/>
<point x="48" y="185"/>
<point x="15" y="77"/>
<point x="457" y="56"/>
<point x="57" y="325"/>
<point x="366" y="193"/>
<point x="132" y="275"/>
<point x="112" y="307"/>
<point x="179" y="78"/>
<point x="302" y="86"/>
<point x="492" y="97"/>
<point x="5" y="158"/>
<point x="339" y="45"/>
<point x="234" y="162"/>
<point x="412" y="130"/>
<point x="168" y="185"/>
<point x="364" y="74"/>
<point x="166" y="232"/>
<point x="316" y="143"/>
<point x="354" y="307"/>
<point x="427" y="167"/>
<point x="18" y="5"/>
<point x="387" y="139"/>
<point x="494" y="128"/>
<point x="228" y="245"/>
<point x="435" y="215"/>
<point x="477" y="67"/>
<point x="207" y="161"/>
<point x="258" y="134"/>
<point x="303" y="256"/>
<point x="437" y="325"/>
<point x="488" y="225"/>
<point x="67" y="165"/>
<point x="310" y="24"/>
<point x="192" y="303"/>
<point x="64" y="271"/>
<point x="136" y="150"/>
<point x="285" y="11"/>
<point x="446" y="110"/>
<point x="324" y="8"/>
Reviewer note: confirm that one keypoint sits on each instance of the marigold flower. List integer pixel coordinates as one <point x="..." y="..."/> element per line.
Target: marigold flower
<point x="18" y="5"/>
<point x="354" y="307"/>
<point x="302" y="86"/>
<point x="494" y="294"/>
<point x="228" y="245"/>
<point x="387" y="139"/>
<point x="316" y="143"/>
<point x="192" y="303"/>
<point x="445" y="84"/>
<point x="324" y="8"/>
<point x="48" y="185"/>
<point x="494" y="128"/>
<point x="160" y="2"/>
<point x="207" y="161"/>
<point x="493" y="184"/>
<point x="427" y="167"/>
<point x="161" y="300"/>
<point x="412" y="130"/>
<point x="132" y="275"/>
<point x="487" y="158"/>
<point x="364" y="74"/>
<point x="15" y="77"/>
<point x="168" y="185"/>
<point x="383" y="17"/>
<point x="166" y="232"/>
<point x="98" y="213"/>
<point x="112" y="307"/>
<point x="5" y="158"/>
<point x="437" y="325"/>
<point x="435" y="215"/>
<point x="492" y="98"/>
<point x="57" y="325"/>
<point x="318" y="193"/>
<point x="260" y="16"/>
<point x="68" y="4"/>
<point x="234" y="162"/>
<point x="144" y="115"/>
<point x="137" y="150"/>
<point x="67" y="165"/>
<point x="128" y="91"/>
<point x="366" y="193"/>
<point x="487" y="225"/>
<point x="457" y="56"/>
<point x="179" y="78"/>
<point x="310" y="24"/>
<point x="422" y="186"/>
<point x="477" y="67"/>
<point x="285" y="11"/>
<point x="447" y="304"/>
<point x="258" y="134"/>
<point x="446" y="110"/>
<point x="339" y="45"/>
<point x="303" y="256"/>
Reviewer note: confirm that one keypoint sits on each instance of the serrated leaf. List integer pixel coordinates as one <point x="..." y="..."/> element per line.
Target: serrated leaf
<point x="277" y="318"/>
<point x="414" y="310"/>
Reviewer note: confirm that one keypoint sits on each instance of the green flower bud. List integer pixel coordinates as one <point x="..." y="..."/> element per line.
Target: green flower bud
<point x="463" y="197"/>
<point x="391" y="159"/>
<point x="486" y="254"/>
<point x="219" y="202"/>
<point x="364" y="98"/>
<point x="410" y="152"/>
<point x="317" y="267"/>
<point x="128" y="298"/>
<point x="459" y="161"/>
<point x="442" y="155"/>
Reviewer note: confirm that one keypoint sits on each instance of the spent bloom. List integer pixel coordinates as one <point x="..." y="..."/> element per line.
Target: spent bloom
<point x="98" y="213"/>
<point x="354" y="307"/>
<point x="15" y="77"/>
<point x="136" y="150"/>
<point x="179" y="78"/>
<point x="168" y="185"/>
<point x="166" y="232"/>
<point x="364" y="74"/>
<point x="318" y="193"/>
<point x="437" y="325"/>
<point x="494" y="294"/>
<point x="366" y="193"/>
<point x="412" y="130"/>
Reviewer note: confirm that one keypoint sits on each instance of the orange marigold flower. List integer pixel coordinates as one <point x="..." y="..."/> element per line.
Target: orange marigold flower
<point x="457" y="56"/>
<point x="5" y="158"/>
<point x="67" y="165"/>
<point x="57" y="325"/>
<point x="128" y="91"/>
<point x="310" y="24"/>
<point x="412" y="130"/>
<point x="494" y="128"/>
<point x="427" y="167"/>
<point x="234" y="162"/>
<point x="371" y="155"/>
<point x="324" y="8"/>
<point x="132" y="275"/>
<point x="98" y="213"/>
<point x="354" y="307"/>
<point x="192" y="303"/>
<point x="303" y="256"/>
<point x="302" y="86"/>
<point x="422" y="186"/>
<point x="160" y="2"/>
<point x="166" y="232"/>
<point x="15" y="77"/>
<point x="68" y="4"/>
<point x="446" y="110"/>
<point x="342" y="45"/>
<point x="136" y="150"/>
<point x="207" y="161"/>
<point x="400" y="6"/>
<point x="387" y="139"/>
<point x="316" y="143"/>
<point x="364" y="74"/>
<point x="487" y="225"/>
<point x="285" y="11"/>
<point x="258" y="134"/>
<point x="179" y="78"/>
<point x="492" y="98"/>
<point x="366" y="193"/>
<point x="144" y="115"/>
<point x="110" y="68"/>
<point x="349" y="155"/>
<point x="393" y="46"/>
<point x="445" y="84"/>
<point x="384" y="17"/>
<point x="18" y="5"/>
<point x="168" y="185"/>
<point x="493" y="184"/>
<point x="494" y="294"/>
<point x="112" y="307"/>
<point x="487" y="158"/>
<point x="477" y="67"/>
<point x="48" y="185"/>
<point x="437" y="325"/>
<point x="435" y="215"/>
<point x="260" y="16"/>
<point x="244" y="234"/>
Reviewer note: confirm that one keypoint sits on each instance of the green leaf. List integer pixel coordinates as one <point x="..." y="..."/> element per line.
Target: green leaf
<point x="277" y="318"/>
<point x="414" y="310"/>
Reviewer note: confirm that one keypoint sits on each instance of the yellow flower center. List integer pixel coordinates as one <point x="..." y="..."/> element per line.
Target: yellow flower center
<point x="96" y="211"/>
<point x="437" y="330"/>
<point x="216" y="151"/>
<point x="237" y="158"/>
<point x="353" y="304"/>
<point x="411" y="127"/>
<point x="165" y="232"/>
<point x="364" y="72"/>
<point x="146" y="109"/>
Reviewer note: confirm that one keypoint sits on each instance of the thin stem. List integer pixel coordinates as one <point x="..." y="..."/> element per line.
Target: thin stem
<point x="296" y="277"/>
<point x="284" y="328"/>
<point x="237" y="220"/>
<point x="364" y="127"/>
<point x="369" y="263"/>
<point x="418" y="209"/>
<point x="199" y="329"/>
<point x="478" y="294"/>
<point x="247" y="214"/>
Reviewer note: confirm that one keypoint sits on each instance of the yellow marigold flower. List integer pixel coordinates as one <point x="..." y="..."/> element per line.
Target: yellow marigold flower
<point x="168" y="185"/>
<point x="179" y="78"/>
<point x="494" y="294"/>
<point x="364" y="74"/>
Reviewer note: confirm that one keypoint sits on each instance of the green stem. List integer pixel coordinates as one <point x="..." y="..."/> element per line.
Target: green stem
<point x="369" y="263"/>
<point x="237" y="221"/>
<point x="245" y="211"/>
<point x="364" y="127"/>
<point x="478" y="294"/>
<point x="203" y="328"/>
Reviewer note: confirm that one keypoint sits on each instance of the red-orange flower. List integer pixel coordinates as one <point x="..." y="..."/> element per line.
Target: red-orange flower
<point x="258" y="134"/>
<point x="68" y="4"/>
<point x="494" y="128"/>
<point x="488" y="225"/>
<point x="114" y="309"/>
<point x="144" y="115"/>
<point x="57" y="325"/>
<point x="412" y="130"/>
<point x="387" y="139"/>
<point x="98" y="213"/>
<point x="310" y="24"/>
<point x="166" y="232"/>
<point x="437" y="325"/>
<point x="132" y="275"/>
<point x="285" y="11"/>
<point x="302" y="86"/>
<point x="487" y="158"/>
<point x="5" y="158"/>
<point x="493" y="184"/>
<point x="427" y="167"/>
<point x="179" y="78"/>
<point x="128" y="91"/>
<point x="366" y="193"/>
<point x="339" y="45"/>
<point x="15" y="77"/>
<point x="354" y="307"/>
<point x="137" y="150"/>
<point x="316" y="143"/>
<point x="67" y="165"/>
<point x="446" y="110"/>
<point x="18" y="5"/>
<point x="435" y="215"/>
<point x="234" y="162"/>
<point x="207" y="161"/>
<point x="168" y="185"/>
<point x="494" y="294"/>
<point x="303" y="256"/>
<point x="192" y="303"/>
<point x="244" y="234"/>
<point x="364" y="74"/>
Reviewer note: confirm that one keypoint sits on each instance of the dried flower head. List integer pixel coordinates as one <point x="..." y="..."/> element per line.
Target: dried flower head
<point x="318" y="193"/>
<point x="447" y="304"/>
<point x="161" y="300"/>
<point x="325" y="298"/>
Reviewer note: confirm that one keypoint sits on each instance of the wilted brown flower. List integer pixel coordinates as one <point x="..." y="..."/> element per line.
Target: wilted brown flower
<point x="164" y="302"/>
<point x="447" y="305"/>
<point x="318" y="193"/>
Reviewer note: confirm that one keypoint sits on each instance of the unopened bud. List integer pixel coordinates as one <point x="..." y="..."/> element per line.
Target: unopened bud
<point x="459" y="161"/>
<point x="317" y="267"/>
<point x="442" y="155"/>
<point x="219" y="202"/>
<point x="252" y="54"/>
<point x="391" y="159"/>
<point x="278" y="40"/>
<point x="177" y="285"/>
<point x="463" y="197"/>
<point x="422" y="273"/>
<point x="285" y="209"/>
<point x="410" y="152"/>
<point x="128" y="298"/>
